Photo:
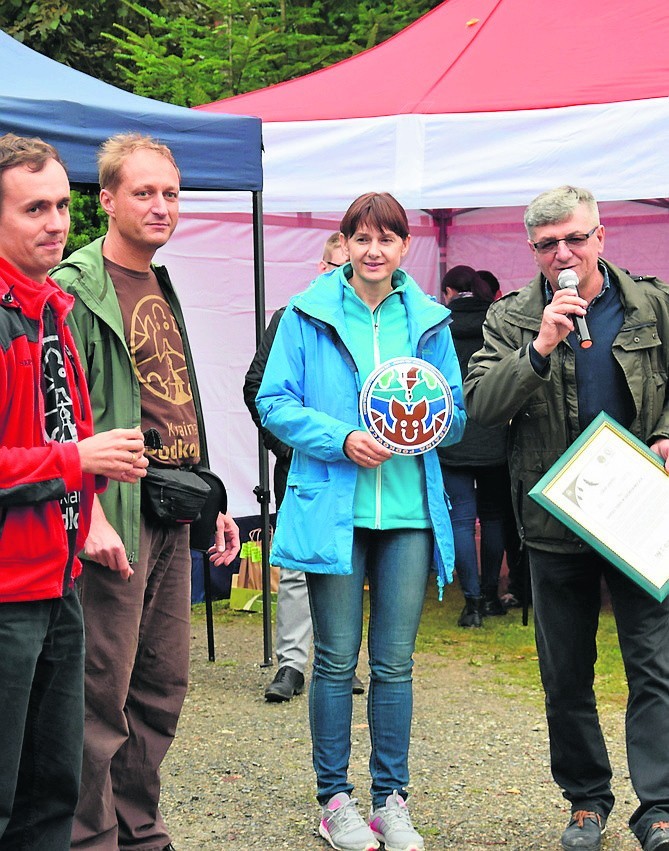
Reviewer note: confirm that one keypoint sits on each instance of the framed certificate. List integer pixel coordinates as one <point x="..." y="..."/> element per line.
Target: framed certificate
<point x="613" y="492"/>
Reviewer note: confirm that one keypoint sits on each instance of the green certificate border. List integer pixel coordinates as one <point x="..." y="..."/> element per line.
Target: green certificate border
<point x="563" y="475"/>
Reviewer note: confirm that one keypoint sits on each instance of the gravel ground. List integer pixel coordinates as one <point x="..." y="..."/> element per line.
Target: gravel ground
<point x="239" y="774"/>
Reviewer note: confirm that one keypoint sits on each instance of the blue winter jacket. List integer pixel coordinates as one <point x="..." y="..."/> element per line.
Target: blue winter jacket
<point x="308" y="398"/>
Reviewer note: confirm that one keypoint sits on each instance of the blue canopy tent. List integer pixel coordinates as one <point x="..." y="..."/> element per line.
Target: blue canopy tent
<point x="76" y="113"/>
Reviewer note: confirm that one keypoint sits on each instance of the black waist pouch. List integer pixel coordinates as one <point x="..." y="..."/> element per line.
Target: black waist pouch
<point x="173" y="495"/>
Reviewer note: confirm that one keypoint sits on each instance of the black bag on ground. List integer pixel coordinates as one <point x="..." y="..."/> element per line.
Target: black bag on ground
<point x="173" y="495"/>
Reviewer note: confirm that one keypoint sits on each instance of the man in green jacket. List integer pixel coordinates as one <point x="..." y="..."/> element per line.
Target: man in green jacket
<point x="533" y="372"/>
<point x="135" y="586"/>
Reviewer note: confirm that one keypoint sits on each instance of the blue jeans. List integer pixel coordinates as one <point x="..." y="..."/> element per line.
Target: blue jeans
<point x="477" y="492"/>
<point x="567" y="599"/>
<point x="397" y="564"/>
<point x="42" y="712"/>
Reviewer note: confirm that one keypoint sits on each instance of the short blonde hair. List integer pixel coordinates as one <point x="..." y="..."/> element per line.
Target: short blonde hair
<point x="331" y="245"/>
<point x="114" y="152"/>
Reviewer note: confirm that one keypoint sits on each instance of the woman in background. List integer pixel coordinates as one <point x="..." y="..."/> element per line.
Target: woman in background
<point x="475" y="471"/>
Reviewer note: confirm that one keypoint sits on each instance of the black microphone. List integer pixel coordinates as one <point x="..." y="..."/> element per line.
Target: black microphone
<point x="568" y="279"/>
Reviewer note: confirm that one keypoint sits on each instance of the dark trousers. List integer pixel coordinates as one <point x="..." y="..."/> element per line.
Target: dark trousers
<point x="567" y="600"/>
<point x="137" y="647"/>
<point x="477" y="492"/>
<point x="41" y="721"/>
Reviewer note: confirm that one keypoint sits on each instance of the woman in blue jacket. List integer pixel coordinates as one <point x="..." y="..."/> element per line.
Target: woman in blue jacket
<point x="352" y="509"/>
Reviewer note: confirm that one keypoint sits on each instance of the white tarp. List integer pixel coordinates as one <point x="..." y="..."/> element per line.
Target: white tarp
<point x="491" y="159"/>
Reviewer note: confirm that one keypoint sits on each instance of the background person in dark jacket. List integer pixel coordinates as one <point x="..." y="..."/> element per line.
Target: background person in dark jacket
<point x="518" y="585"/>
<point x="475" y="470"/>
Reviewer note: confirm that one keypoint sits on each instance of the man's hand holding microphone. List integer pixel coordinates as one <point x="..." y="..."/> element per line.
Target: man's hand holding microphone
<point x="565" y="313"/>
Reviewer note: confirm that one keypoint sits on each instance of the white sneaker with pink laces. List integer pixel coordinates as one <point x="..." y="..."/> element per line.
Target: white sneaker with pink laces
<point x="392" y="825"/>
<point x="344" y="827"/>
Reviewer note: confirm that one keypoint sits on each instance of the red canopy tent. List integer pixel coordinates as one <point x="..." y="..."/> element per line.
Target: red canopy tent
<point x="468" y="113"/>
<point x="474" y="109"/>
<point x="486" y="56"/>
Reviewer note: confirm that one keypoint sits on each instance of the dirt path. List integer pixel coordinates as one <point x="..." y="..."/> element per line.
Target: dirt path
<point x="239" y="774"/>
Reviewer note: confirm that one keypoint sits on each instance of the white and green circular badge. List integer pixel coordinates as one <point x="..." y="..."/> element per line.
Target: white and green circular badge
<point x="406" y="405"/>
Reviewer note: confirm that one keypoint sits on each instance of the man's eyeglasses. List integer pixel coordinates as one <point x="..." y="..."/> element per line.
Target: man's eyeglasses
<point x="550" y="246"/>
<point x="334" y="265"/>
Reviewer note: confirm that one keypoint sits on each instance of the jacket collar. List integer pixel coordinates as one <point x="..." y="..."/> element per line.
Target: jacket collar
<point x="19" y="292"/>
<point x="95" y="285"/>
<point x="527" y="304"/>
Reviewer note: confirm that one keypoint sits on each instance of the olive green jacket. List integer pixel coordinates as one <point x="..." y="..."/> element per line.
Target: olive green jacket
<point x="502" y="386"/>
<point x="97" y="326"/>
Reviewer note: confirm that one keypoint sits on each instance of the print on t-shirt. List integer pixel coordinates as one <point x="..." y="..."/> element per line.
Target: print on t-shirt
<point x="155" y="344"/>
<point x="156" y="348"/>
<point x="59" y="424"/>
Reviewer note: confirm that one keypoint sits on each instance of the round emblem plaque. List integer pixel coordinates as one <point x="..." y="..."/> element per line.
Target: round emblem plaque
<point x="406" y="405"/>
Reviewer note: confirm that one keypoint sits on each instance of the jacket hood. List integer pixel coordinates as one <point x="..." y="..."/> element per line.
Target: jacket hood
<point x="88" y="261"/>
<point x="20" y="292"/>
<point x="323" y="300"/>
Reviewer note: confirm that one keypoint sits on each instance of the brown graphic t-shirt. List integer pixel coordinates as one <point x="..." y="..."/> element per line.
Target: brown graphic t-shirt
<point x="157" y="353"/>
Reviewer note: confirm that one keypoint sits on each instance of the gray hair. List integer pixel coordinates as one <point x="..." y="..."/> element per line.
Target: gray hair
<point x="558" y="205"/>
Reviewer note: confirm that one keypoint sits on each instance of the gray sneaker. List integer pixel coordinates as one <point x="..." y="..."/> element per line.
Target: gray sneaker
<point x="344" y="827"/>
<point x="392" y="825"/>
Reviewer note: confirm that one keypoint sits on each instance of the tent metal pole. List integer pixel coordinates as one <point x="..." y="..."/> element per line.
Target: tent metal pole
<point x="262" y="490"/>
<point x="208" y="607"/>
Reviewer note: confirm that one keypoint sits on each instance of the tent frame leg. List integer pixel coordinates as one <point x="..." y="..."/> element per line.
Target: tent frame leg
<point x="262" y="491"/>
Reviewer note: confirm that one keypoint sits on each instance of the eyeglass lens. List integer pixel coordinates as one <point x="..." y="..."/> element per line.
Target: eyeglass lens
<point x="575" y="239"/>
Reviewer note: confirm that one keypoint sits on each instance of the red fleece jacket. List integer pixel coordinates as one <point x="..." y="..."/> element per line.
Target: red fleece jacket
<point x="35" y="473"/>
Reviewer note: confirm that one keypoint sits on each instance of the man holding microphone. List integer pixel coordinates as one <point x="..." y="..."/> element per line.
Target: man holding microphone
<point x="537" y="370"/>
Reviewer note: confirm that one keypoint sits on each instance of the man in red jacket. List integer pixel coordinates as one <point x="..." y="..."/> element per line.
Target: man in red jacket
<point x="49" y="460"/>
